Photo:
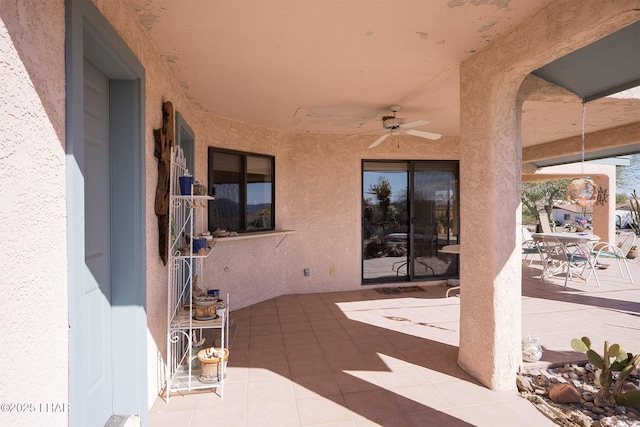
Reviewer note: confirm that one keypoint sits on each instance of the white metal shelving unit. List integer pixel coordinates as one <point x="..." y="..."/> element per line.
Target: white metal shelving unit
<point x="185" y="269"/>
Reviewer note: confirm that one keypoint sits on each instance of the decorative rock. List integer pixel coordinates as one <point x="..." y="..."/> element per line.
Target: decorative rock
<point x="524" y="383"/>
<point x="564" y="393"/>
<point x="585" y="412"/>
<point x="546" y="376"/>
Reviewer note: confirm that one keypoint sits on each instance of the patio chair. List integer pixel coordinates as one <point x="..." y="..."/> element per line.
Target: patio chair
<point x="557" y="259"/>
<point x="607" y="251"/>
<point x="545" y="224"/>
<point x="529" y="247"/>
<point x="626" y="241"/>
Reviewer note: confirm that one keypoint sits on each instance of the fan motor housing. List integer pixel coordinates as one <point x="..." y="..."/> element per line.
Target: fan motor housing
<point x="390" y="122"/>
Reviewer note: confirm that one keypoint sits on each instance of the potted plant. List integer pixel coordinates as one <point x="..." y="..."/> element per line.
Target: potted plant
<point x="211" y="360"/>
<point x="204" y="304"/>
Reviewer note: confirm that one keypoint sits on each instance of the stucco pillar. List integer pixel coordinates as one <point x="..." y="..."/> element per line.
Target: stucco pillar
<point x="604" y="211"/>
<point x="490" y="176"/>
<point x="490" y="187"/>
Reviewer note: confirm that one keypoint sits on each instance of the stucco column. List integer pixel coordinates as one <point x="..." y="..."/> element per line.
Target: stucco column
<point x="490" y="176"/>
<point x="604" y="211"/>
<point x="490" y="188"/>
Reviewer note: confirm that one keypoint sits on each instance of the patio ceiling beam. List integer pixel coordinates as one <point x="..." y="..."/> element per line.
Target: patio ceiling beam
<point x="539" y="177"/>
<point x="625" y="137"/>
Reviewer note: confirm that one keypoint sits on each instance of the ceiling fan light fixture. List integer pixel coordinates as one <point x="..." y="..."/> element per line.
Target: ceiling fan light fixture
<point x="397" y="125"/>
<point x="392" y="122"/>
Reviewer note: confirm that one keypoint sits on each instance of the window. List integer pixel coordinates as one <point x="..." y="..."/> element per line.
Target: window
<point x="243" y="186"/>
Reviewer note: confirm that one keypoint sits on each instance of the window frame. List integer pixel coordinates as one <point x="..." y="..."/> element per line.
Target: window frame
<point x="243" y="215"/>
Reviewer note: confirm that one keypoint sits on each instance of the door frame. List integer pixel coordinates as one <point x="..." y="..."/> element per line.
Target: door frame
<point x="409" y="257"/>
<point x="88" y="34"/>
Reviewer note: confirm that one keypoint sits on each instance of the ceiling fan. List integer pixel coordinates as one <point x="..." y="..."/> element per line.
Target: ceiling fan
<point x="395" y="125"/>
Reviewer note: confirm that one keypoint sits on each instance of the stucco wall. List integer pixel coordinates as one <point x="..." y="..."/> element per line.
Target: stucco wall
<point x="318" y="194"/>
<point x="33" y="306"/>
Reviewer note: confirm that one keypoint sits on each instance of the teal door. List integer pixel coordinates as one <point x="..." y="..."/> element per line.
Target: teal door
<point x="95" y="333"/>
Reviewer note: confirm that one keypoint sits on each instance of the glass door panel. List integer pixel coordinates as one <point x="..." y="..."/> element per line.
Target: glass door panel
<point x="385" y="223"/>
<point x="434" y="220"/>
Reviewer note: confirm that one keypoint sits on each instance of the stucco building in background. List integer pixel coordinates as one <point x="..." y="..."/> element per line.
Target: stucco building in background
<point x="53" y="172"/>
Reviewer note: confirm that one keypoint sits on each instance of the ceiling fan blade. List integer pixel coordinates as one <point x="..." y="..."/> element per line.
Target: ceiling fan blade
<point x="379" y="140"/>
<point x="415" y="124"/>
<point x="423" y="134"/>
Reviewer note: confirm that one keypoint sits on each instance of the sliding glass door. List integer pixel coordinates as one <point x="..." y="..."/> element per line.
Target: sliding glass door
<point x="434" y="219"/>
<point x="410" y="211"/>
<point x="385" y="221"/>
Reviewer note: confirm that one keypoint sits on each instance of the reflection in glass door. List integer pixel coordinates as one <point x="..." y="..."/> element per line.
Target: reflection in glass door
<point x="410" y="211"/>
<point x="385" y="221"/>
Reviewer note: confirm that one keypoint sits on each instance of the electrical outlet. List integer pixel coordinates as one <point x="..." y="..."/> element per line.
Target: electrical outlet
<point x="307" y="272"/>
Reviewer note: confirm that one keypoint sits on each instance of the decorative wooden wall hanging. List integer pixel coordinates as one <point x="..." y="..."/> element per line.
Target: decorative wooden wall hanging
<point x="163" y="143"/>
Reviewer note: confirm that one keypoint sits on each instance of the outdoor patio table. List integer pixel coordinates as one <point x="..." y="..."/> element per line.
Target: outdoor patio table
<point x="451" y="249"/>
<point x="571" y="239"/>
<point x="568" y="238"/>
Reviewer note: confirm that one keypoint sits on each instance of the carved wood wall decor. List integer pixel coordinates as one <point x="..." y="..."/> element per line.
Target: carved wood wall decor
<point x="163" y="143"/>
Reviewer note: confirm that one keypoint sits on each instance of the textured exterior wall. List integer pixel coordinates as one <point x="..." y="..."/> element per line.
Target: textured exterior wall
<point x="491" y="175"/>
<point x="33" y="254"/>
<point x="318" y="194"/>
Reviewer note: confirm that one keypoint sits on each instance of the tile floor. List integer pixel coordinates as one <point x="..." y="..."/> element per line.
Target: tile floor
<point x="363" y="358"/>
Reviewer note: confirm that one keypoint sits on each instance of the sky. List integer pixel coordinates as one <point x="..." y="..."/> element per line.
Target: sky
<point x="397" y="180"/>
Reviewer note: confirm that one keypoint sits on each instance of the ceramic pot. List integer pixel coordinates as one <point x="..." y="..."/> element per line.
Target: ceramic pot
<point x="211" y="364"/>
<point x="205" y="308"/>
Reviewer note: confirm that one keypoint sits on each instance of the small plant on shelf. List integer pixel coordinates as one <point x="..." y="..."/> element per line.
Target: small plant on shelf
<point x="614" y="365"/>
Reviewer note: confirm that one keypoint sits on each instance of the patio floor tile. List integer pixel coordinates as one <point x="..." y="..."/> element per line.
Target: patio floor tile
<point x="362" y="358"/>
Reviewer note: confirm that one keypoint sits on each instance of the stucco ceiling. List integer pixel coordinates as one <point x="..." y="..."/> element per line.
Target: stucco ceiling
<point x="335" y="66"/>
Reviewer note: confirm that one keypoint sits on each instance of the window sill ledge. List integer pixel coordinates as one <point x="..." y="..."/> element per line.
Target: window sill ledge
<point x="255" y="235"/>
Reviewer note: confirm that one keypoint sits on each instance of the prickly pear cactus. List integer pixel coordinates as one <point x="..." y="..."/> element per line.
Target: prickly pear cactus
<point x="615" y="366"/>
